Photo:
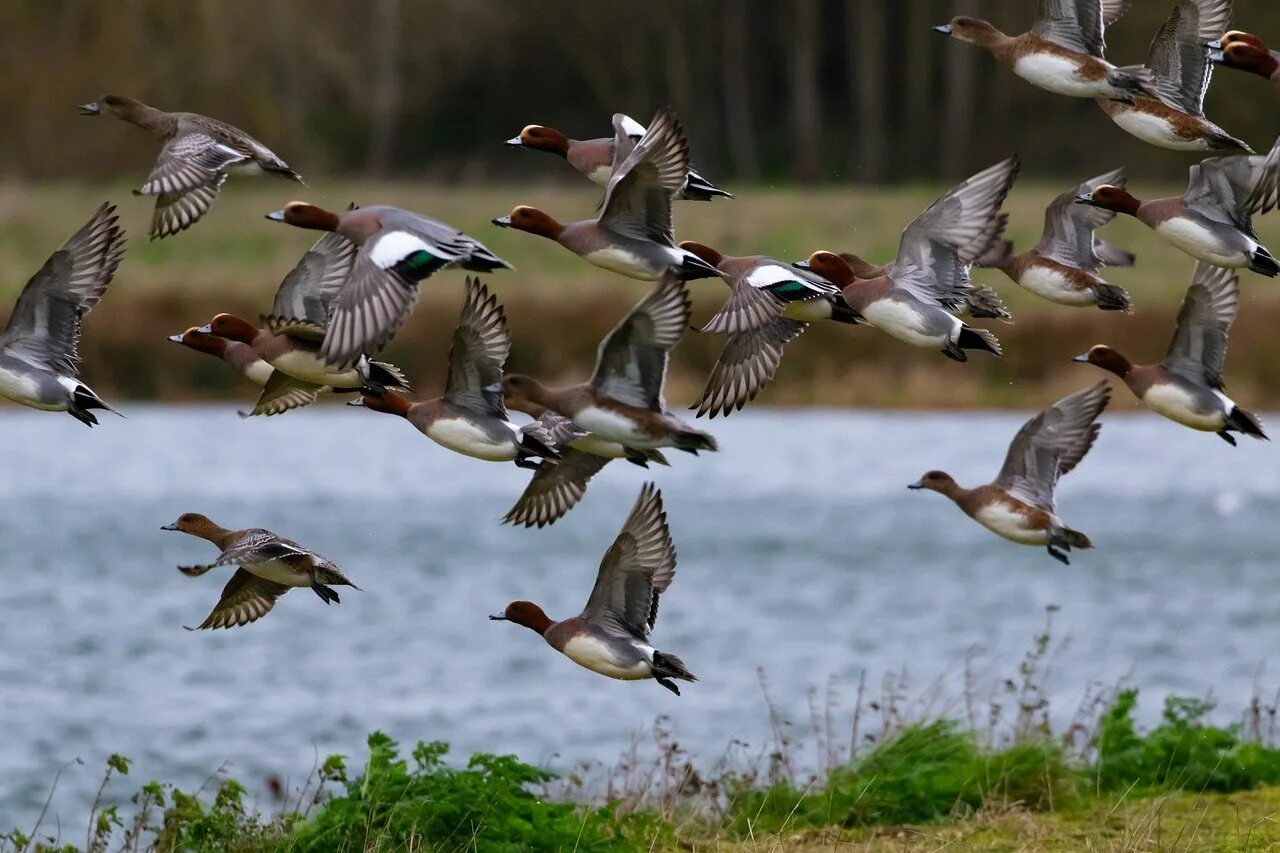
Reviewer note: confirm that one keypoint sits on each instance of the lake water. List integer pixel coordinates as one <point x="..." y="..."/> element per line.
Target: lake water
<point x="800" y="551"/>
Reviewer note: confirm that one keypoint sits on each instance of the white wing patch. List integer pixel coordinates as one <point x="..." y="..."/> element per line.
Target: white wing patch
<point x="393" y="247"/>
<point x="633" y="128"/>
<point x="770" y="274"/>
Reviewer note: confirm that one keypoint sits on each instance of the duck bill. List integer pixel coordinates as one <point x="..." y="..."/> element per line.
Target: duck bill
<point x="1083" y="358"/>
<point x="206" y="329"/>
<point x="916" y="486"/>
<point x="90" y="109"/>
<point x="173" y="526"/>
<point x="177" y="339"/>
<point x="802" y="265"/>
<point x="502" y="221"/>
<point x="1217" y="56"/>
<point x="514" y="142"/>
<point x="498" y="619"/>
<point x="276" y="216"/>
<point x="943" y="29"/>
<point x="1216" y="44"/>
<point x="358" y="402"/>
<point x="1084" y="198"/>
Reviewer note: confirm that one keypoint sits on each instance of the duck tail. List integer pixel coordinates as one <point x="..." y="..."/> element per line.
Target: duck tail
<point x="698" y="188"/>
<point x="693" y="267"/>
<point x="536" y="441"/>
<point x="482" y="260"/>
<point x="387" y="375"/>
<point x="1112" y="298"/>
<point x="83" y="398"/>
<point x="979" y="339"/>
<point x="985" y="303"/>
<point x="1000" y="253"/>
<point x="283" y="171"/>
<point x="1220" y="141"/>
<point x="1246" y="422"/>
<point x="1071" y="538"/>
<point x="691" y="441"/>
<point x="669" y="666"/>
<point x="1263" y="263"/>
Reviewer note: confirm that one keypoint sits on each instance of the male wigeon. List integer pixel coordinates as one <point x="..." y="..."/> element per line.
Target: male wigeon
<point x="770" y="304"/>
<point x="267" y="566"/>
<point x="633" y="235"/>
<point x="196" y="155"/>
<point x="623" y="400"/>
<point x="397" y="249"/>
<point x="1186" y="387"/>
<point x="1063" y="266"/>
<point x="595" y="158"/>
<point x="1173" y="117"/>
<point x="470" y="417"/>
<point x="611" y="634"/>
<point x="1063" y="52"/>
<point x="558" y="484"/>
<point x="915" y="300"/>
<point x="1019" y="504"/>
<point x="1246" y="52"/>
<point x="39" y="354"/>
<point x="980" y="303"/>
<point x="1213" y="220"/>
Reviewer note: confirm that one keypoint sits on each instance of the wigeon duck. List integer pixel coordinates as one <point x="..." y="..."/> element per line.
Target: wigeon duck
<point x="623" y="400"/>
<point x="1063" y="266"/>
<point x="39" y="357"/>
<point x="196" y="155"/>
<point x="1063" y="52"/>
<point x="558" y="485"/>
<point x="267" y="566"/>
<point x="1180" y="69"/>
<point x="470" y="418"/>
<point x="611" y="634"/>
<point x="915" y="299"/>
<point x="1186" y="387"/>
<point x="633" y="235"/>
<point x="981" y="303"/>
<point x="770" y="304"/>
<point x="1246" y="52"/>
<point x="1213" y="220"/>
<point x="397" y="249"/>
<point x="1019" y="504"/>
<point x="595" y="158"/>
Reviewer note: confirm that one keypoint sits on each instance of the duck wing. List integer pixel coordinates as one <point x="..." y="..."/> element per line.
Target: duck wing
<point x="480" y="346"/>
<point x="1179" y="57"/>
<point x="1199" y="346"/>
<point x="637" y="200"/>
<point x="1068" y="236"/>
<point x="635" y="571"/>
<point x="305" y="298"/>
<point x="631" y="363"/>
<point x="1051" y="444"/>
<point x="246" y="598"/>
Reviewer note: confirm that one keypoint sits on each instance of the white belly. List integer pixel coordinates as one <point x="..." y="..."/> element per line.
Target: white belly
<point x="21" y="388"/>
<point x="1156" y="131"/>
<point x="904" y="323"/>
<point x="464" y="437"/>
<point x="589" y="652"/>
<point x="611" y="426"/>
<point x="1002" y="521"/>
<point x="259" y="371"/>
<point x="309" y="367"/>
<point x="625" y="263"/>
<point x="597" y="446"/>
<point x="1054" y="286"/>
<point x="1176" y="404"/>
<point x="1058" y="74"/>
<point x="274" y="570"/>
<point x="809" y="311"/>
<point x="600" y="175"/>
<point x="1200" y="243"/>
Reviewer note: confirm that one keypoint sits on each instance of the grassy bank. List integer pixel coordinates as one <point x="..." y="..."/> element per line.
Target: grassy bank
<point x="559" y="306"/>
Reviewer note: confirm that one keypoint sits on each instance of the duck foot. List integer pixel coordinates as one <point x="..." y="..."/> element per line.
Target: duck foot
<point x="1227" y="437"/>
<point x="1058" y="555"/>
<point x="327" y="595"/>
<point x="667" y="683"/>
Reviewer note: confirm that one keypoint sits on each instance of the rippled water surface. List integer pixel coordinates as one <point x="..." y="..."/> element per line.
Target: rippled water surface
<point x="800" y="551"/>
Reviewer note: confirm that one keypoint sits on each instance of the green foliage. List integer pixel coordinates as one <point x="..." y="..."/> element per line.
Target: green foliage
<point x="924" y="774"/>
<point x="1183" y="751"/>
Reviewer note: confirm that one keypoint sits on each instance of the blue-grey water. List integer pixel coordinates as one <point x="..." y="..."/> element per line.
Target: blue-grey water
<point x="800" y="551"/>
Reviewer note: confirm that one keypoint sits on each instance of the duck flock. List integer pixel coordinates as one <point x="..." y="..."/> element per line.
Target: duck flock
<point x="350" y="293"/>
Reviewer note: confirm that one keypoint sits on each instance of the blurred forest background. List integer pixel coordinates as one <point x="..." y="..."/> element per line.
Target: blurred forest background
<point x="833" y="121"/>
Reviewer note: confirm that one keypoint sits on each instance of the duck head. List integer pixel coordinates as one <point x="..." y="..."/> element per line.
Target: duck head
<point x="531" y="220"/>
<point x="113" y="105"/>
<point x="1246" y="56"/>
<point x="231" y="327"/>
<point x="1237" y="37"/>
<point x="973" y="30"/>
<point x="193" y="523"/>
<point x="1106" y="358"/>
<point x="525" y="613"/>
<point x="830" y="266"/>
<point x="388" y="402"/>
<point x="703" y="251"/>
<point x="524" y="394"/>
<point x="540" y="138"/>
<point x="302" y="214"/>
<point x="199" y="341"/>
<point x="936" y="481"/>
<point x="1111" y="197"/>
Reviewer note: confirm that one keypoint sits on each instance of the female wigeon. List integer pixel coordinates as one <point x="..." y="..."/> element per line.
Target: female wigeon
<point x="1180" y="69"/>
<point x="595" y="158"/>
<point x="1019" y="504"/>
<point x="558" y="485"/>
<point x="611" y="634"/>
<point x="397" y="249"/>
<point x="623" y="400"/>
<point x="268" y="566"/>
<point x="1246" y="52"/>
<point x="196" y="155"/>
<point x="916" y="299"/>
<point x="1186" y="387"/>
<point x="1063" y="52"/>
<point x="770" y="304"/>
<point x="470" y="417"/>
<point x="1213" y="220"/>
<point x="1063" y="266"/>
<point x="633" y="235"/>
<point x="39" y="356"/>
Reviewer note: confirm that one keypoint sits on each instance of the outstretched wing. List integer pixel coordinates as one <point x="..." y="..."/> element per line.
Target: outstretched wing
<point x="637" y="201"/>
<point x="1199" y="346"/>
<point x="479" y="351"/>
<point x="636" y="570"/>
<point x="246" y="598"/>
<point x="305" y="297"/>
<point x="555" y="489"/>
<point x="1179" y="58"/>
<point x="631" y="364"/>
<point x="1068" y="236"/>
<point x="746" y="365"/>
